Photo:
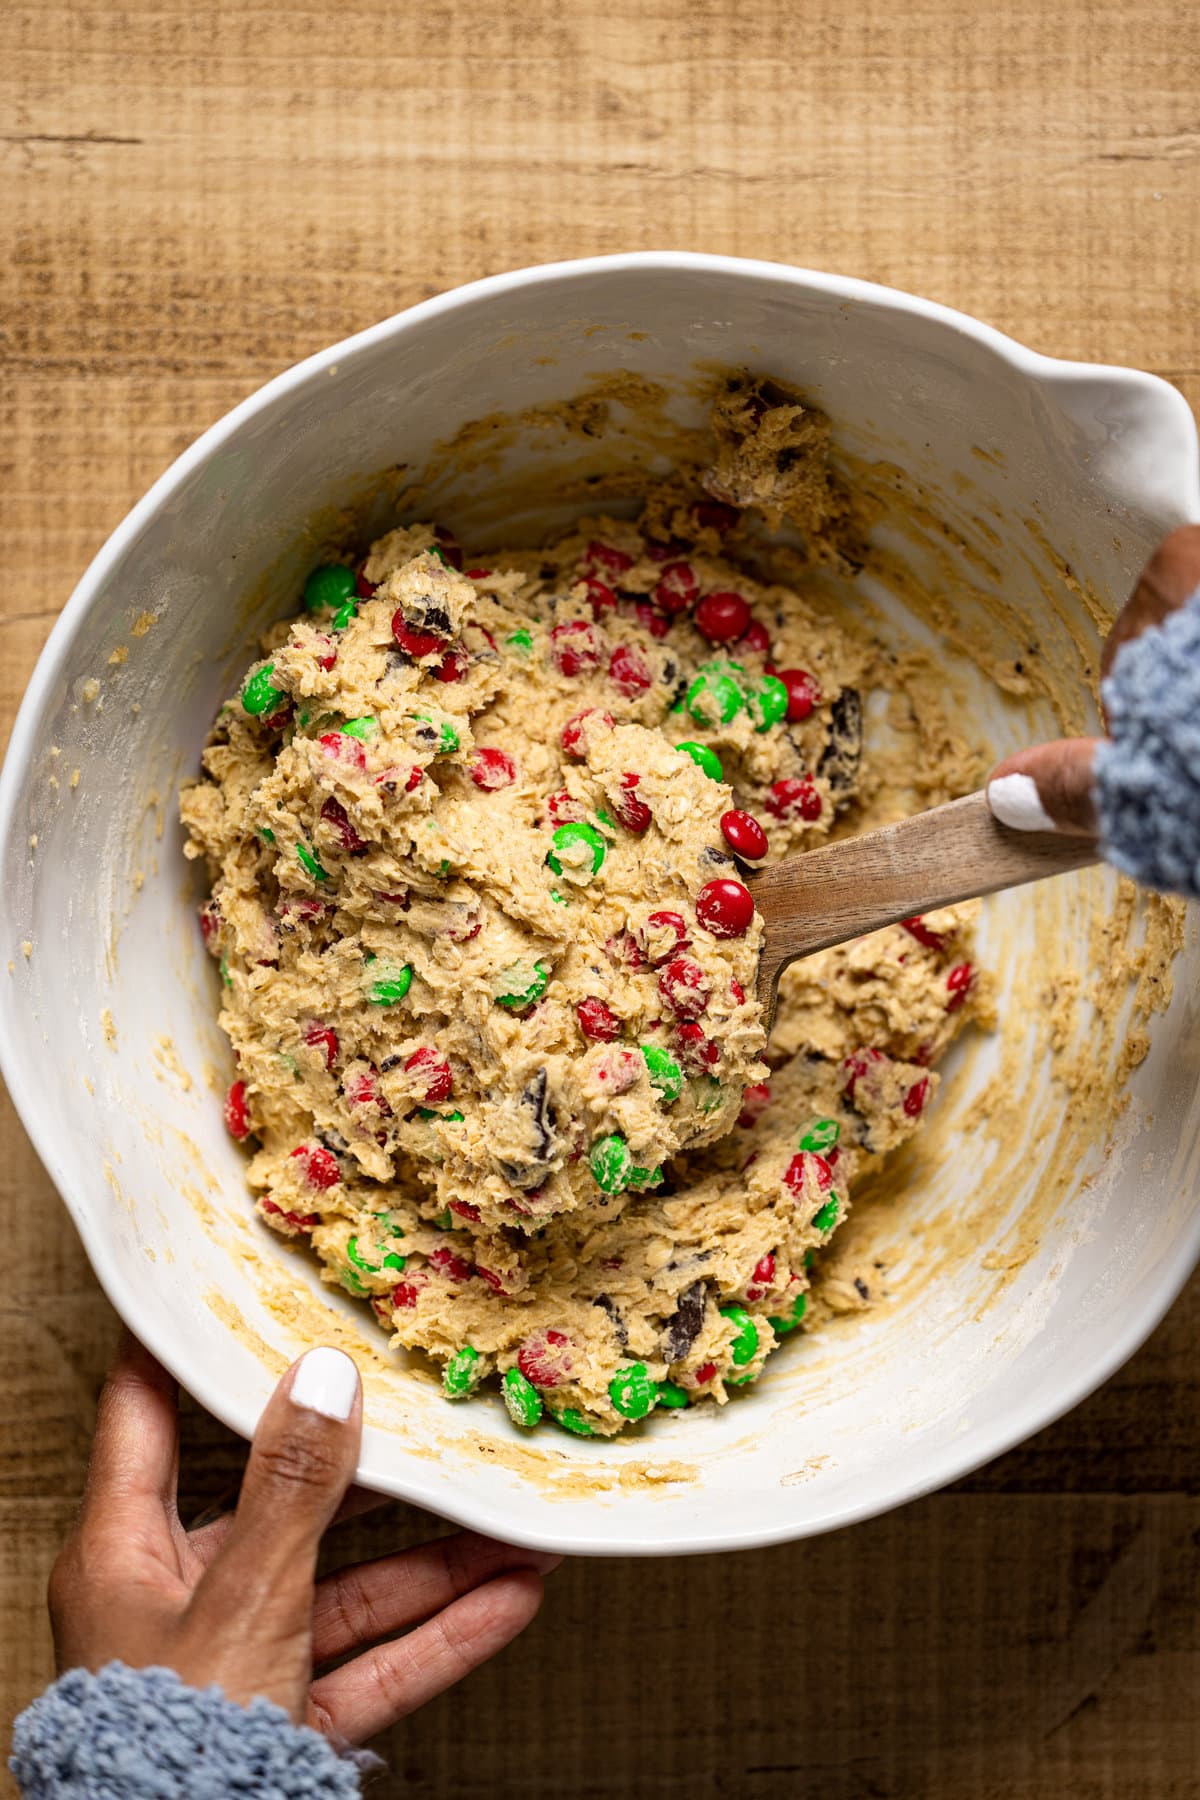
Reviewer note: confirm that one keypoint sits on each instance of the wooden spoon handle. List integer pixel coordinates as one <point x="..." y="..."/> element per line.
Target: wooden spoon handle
<point x="953" y="852"/>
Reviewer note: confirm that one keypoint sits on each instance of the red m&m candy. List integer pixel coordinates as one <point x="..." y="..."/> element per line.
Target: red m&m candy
<point x="803" y="693"/>
<point x="722" y="617"/>
<point x="629" y="671"/>
<point x="677" y="587"/>
<point x="414" y="643"/>
<point x="795" y="797"/>
<point x="597" y="1021"/>
<point x="434" y="1074"/>
<point x="492" y="769"/>
<point x="744" y="835"/>
<point x="725" y="908"/>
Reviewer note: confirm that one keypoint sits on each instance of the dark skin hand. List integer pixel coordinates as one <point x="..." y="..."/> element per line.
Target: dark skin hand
<point x="1062" y="770"/>
<point x="236" y="1602"/>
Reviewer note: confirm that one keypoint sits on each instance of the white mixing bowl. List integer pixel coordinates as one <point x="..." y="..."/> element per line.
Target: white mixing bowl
<point x="1041" y="485"/>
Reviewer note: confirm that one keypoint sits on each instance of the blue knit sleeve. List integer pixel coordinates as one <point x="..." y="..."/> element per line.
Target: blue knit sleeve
<point x="1148" y="774"/>
<point x="141" y="1734"/>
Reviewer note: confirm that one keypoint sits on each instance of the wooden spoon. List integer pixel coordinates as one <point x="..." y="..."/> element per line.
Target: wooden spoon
<point x="954" y="852"/>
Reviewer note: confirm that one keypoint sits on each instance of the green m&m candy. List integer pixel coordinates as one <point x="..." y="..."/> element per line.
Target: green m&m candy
<point x="576" y="846"/>
<point x="781" y="1327"/>
<point x="707" y="1092"/>
<point x="389" y="984"/>
<point x="520" y="643"/>
<point x="356" y="1256"/>
<point x="351" y="1282"/>
<point x="344" y="614"/>
<point x="390" y="1261"/>
<point x="714" y="698"/>
<point x="260" y="695"/>
<point x="519" y="998"/>
<point x="768" y="703"/>
<point x="666" y="1077"/>
<point x="461" y="1374"/>
<point x="643" y="1178"/>
<point x="704" y="758"/>
<point x="363" y="729"/>
<point x="672" y="1396"/>
<point x="265" y="833"/>
<point x="310" y="863"/>
<point x="611" y="1162"/>
<point x="447" y="735"/>
<point x="522" y="1401"/>
<point x="820" y="1135"/>
<point x="330" y="584"/>
<point x="745" y="1343"/>
<point x="827" y="1218"/>
<point x="632" y="1392"/>
<point x="574" y="1422"/>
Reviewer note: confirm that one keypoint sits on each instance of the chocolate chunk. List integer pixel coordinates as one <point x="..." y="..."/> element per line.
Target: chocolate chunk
<point x="686" y="1322"/>
<point x="540" y="1120"/>
<point x="390" y="1062"/>
<point x="430" y="615"/>
<point x="774" y="393"/>
<point x="716" y="859"/>
<point x="608" y="1305"/>
<point x="333" y="1140"/>
<point x="696" y="1260"/>
<point x="843" y="753"/>
<point x="864" y="1292"/>
<point x="859" y="1125"/>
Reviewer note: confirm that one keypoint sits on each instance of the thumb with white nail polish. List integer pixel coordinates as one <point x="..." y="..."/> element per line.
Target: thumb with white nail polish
<point x="301" y="1463"/>
<point x="1052" y="787"/>
<point x="1048" y="788"/>
<point x="325" y="1381"/>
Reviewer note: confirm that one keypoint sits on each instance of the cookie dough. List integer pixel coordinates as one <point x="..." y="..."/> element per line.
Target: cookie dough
<point x="479" y="841"/>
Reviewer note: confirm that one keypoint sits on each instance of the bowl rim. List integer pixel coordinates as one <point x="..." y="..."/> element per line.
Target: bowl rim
<point x="961" y="1455"/>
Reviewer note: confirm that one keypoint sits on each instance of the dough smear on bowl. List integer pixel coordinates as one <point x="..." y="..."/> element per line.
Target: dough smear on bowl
<point x="478" y="838"/>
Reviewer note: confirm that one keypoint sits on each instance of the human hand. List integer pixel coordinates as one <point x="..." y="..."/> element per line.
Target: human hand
<point x="236" y="1602"/>
<point x="1051" y="787"/>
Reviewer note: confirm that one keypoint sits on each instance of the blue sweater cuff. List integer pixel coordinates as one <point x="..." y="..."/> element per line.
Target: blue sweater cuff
<point x="141" y="1734"/>
<point x="1148" y="773"/>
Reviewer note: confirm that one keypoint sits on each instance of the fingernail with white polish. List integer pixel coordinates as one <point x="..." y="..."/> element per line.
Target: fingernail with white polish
<point x="326" y="1381"/>
<point x="1015" y="801"/>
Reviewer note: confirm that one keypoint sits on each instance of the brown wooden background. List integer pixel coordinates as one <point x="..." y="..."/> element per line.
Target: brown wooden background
<point x="193" y="197"/>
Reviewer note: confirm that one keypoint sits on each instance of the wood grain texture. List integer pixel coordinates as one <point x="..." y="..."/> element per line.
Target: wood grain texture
<point x="194" y="197"/>
<point x="936" y="858"/>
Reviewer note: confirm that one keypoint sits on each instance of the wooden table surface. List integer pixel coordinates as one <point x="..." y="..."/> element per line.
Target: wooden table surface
<point x="194" y="197"/>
